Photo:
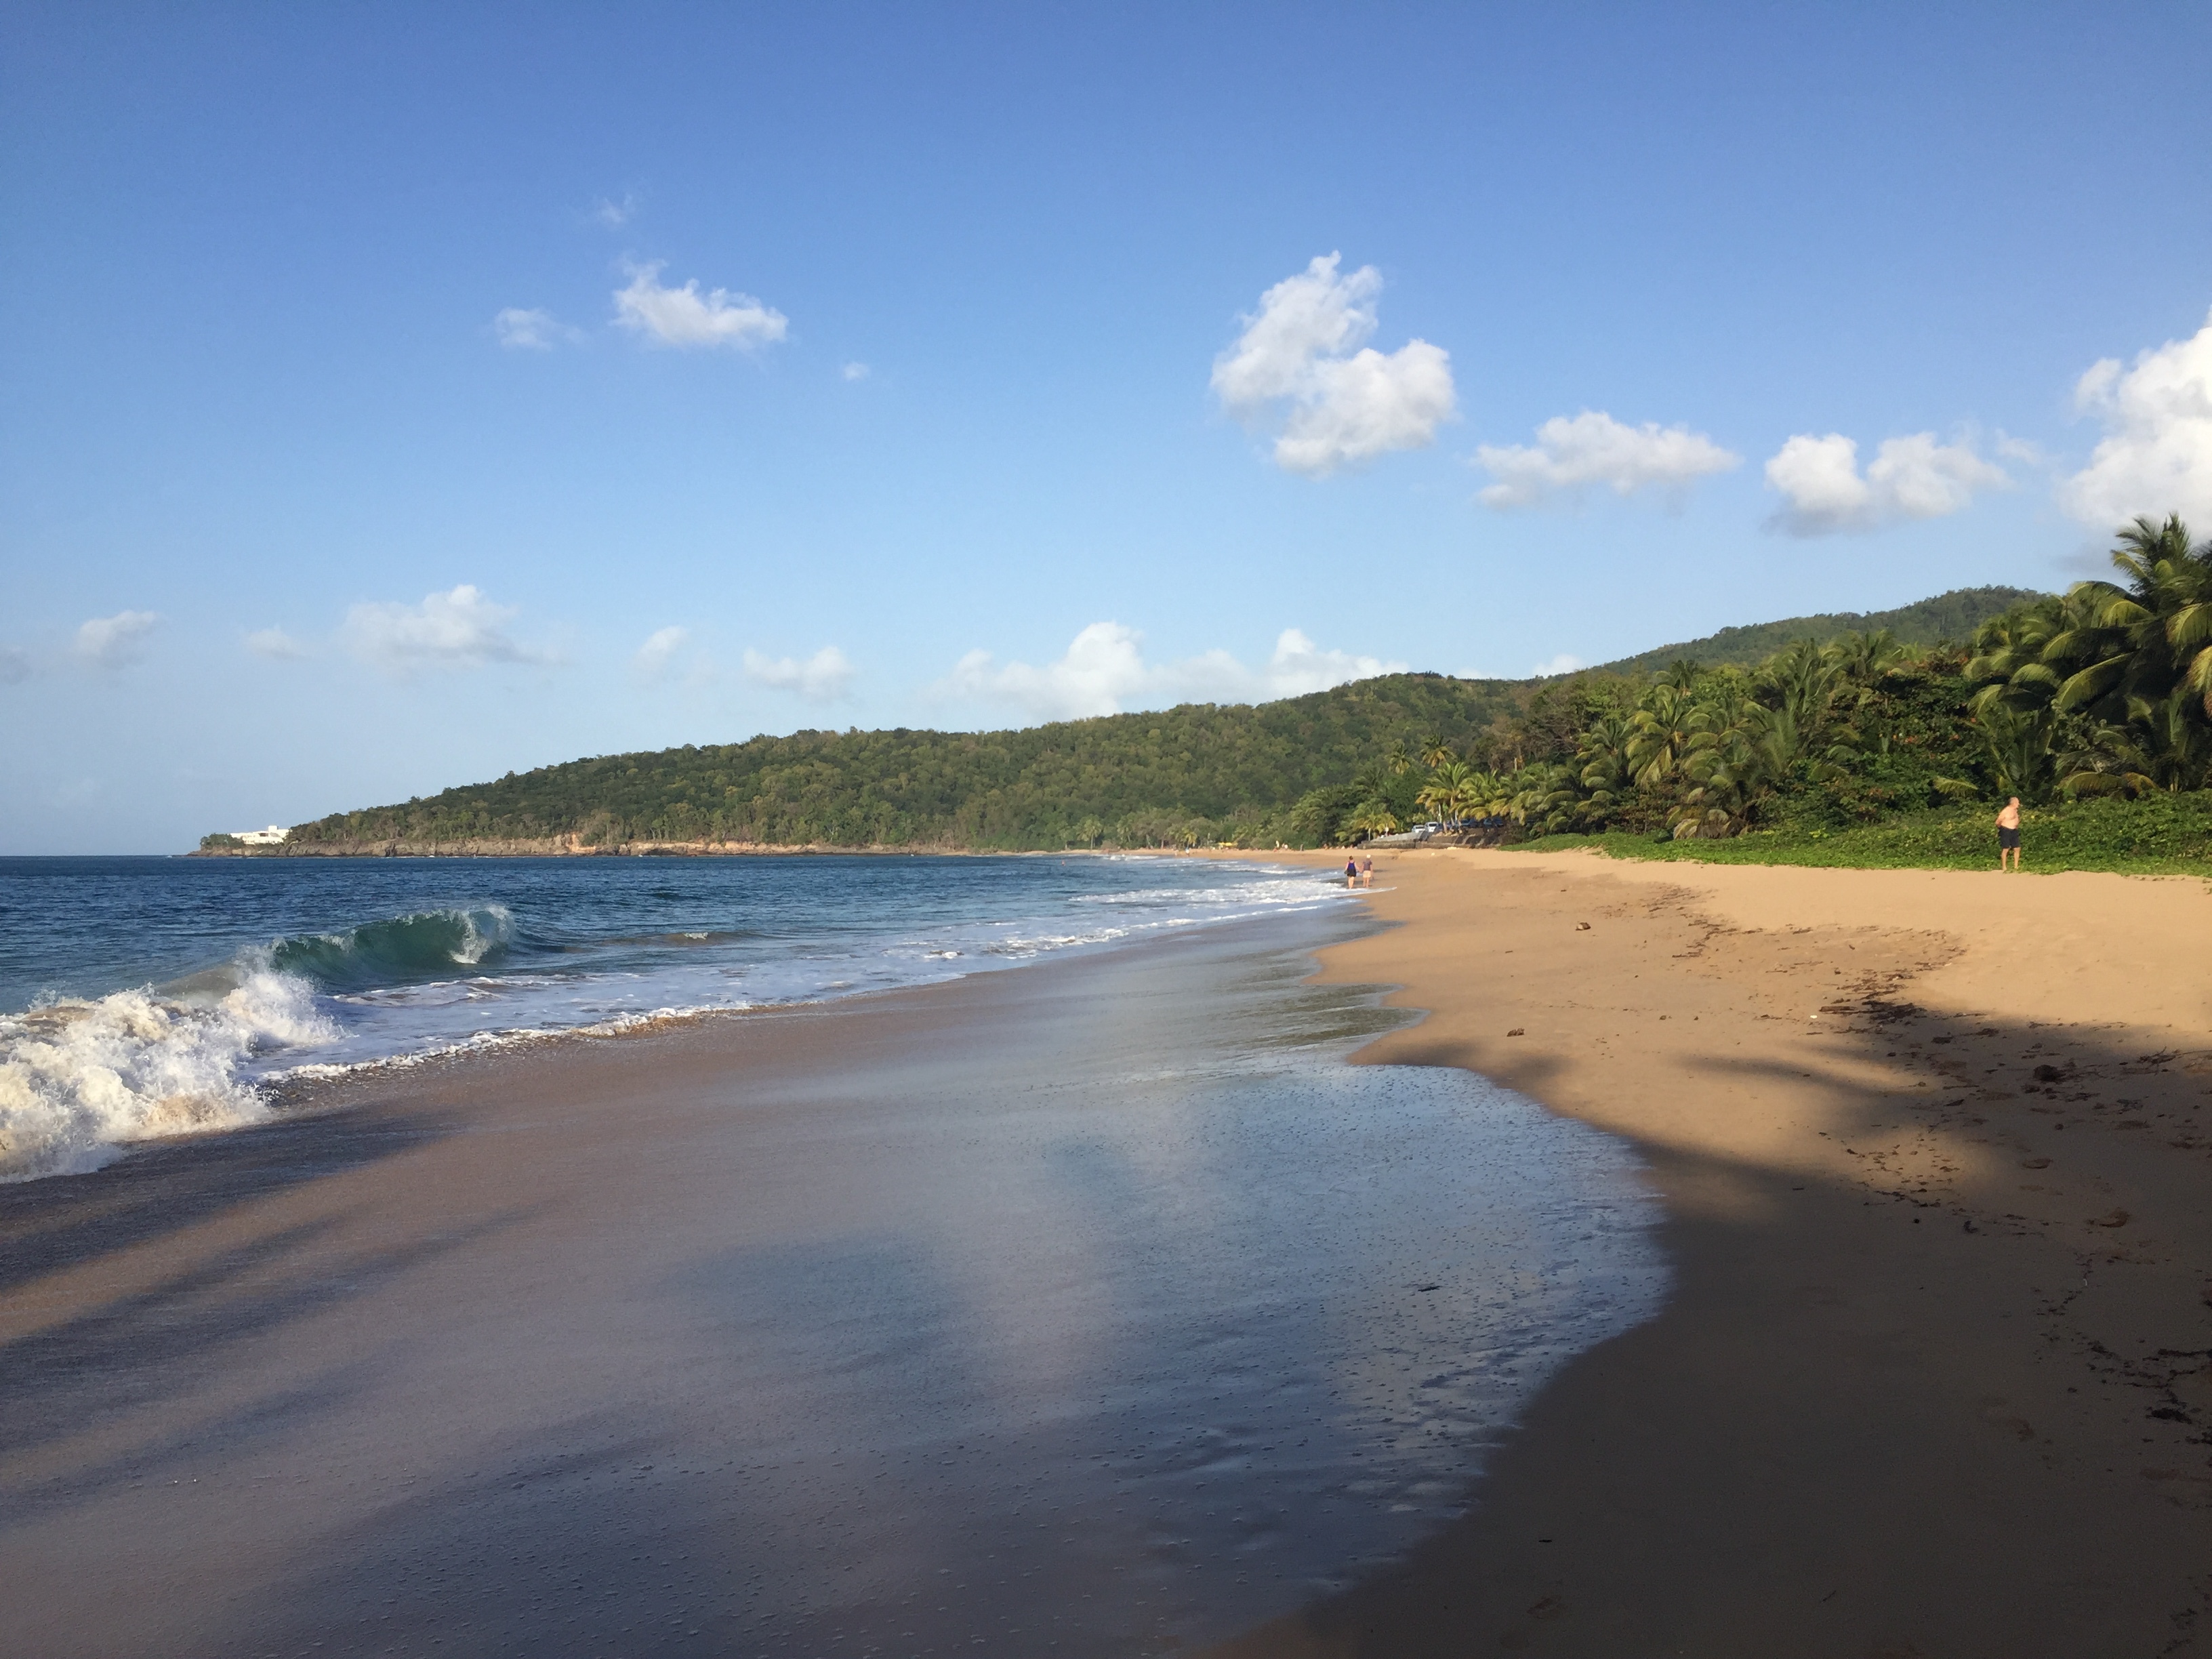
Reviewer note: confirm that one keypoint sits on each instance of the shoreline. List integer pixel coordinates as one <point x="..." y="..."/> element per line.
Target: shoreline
<point x="1934" y="1376"/>
<point x="1103" y="1296"/>
<point x="572" y="847"/>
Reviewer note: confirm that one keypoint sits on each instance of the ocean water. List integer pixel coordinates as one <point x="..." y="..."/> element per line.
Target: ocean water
<point x="149" y="997"/>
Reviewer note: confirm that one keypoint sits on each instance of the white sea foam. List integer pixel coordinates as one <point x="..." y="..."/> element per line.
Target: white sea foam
<point x="79" y="1080"/>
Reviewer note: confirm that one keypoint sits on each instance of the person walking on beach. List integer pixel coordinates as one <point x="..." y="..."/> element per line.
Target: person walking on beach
<point x="1367" y="871"/>
<point x="1351" y="873"/>
<point x="2008" y="835"/>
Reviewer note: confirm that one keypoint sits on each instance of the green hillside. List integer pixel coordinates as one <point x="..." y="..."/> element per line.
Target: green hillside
<point x="1203" y="769"/>
<point x="1816" y="724"/>
<point x="1953" y="615"/>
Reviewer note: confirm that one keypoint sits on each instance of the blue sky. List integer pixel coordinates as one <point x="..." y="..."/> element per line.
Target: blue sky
<point x="391" y="397"/>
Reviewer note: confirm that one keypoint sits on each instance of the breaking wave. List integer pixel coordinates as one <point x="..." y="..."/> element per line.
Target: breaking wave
<point x="398" y="948"/>
<point x="80" y="1079"/>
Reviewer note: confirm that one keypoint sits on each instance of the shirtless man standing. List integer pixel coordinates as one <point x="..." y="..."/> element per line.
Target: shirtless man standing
<point x="2009" y="835"/>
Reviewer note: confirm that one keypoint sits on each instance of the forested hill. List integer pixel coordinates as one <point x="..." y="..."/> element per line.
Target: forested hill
<point x="1201" y="772"/>
<point x="1202" y="769"/>
<point x="1951" y="616"/>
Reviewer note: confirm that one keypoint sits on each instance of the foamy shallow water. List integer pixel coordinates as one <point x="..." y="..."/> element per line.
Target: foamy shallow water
<point x="148" y="997"/>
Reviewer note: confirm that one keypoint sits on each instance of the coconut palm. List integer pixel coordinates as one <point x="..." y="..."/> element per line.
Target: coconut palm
<point x="1608" y="775"/>
<point x="1372" y="817"/>
<point x="2132" y="660"/>
<point x="2124" y="644"/>
<point x="2009" y="651"/>
<point x="1806" y="680"/>
<point x="1544" y="796"/>
<point x="1734" y="768"/>
<point x="1660" y="732"/>
<point x="2018" y="742"/>
<point x="1487" y="795"/>
<point x="1448" y="785"/>
<point x="1865" y="658"/>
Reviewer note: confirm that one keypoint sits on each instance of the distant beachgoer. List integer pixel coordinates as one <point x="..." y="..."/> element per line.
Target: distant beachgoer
<point x="1367" y="871"/>
<point x="2008" y="835"/>
<point x="1351" y="873"/>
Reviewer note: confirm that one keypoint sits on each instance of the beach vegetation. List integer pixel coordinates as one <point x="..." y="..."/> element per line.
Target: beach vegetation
<point x="1867" y="749"/>
<point x="2102" y="694"/>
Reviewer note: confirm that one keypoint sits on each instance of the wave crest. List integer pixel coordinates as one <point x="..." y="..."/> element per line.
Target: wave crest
<point x="379" y="953"/>
<point x="81" y="1079"/>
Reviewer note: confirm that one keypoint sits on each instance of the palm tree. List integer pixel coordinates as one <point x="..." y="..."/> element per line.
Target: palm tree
<point x="1487" y="795"/>
<point x="1865" y="658"/>
<point x="1603" y="750"/>
<point x="1372" y="817"/>
<point x="1544" y="796"/>
<point x="1736" y="763"/>
<point x="2133" y="658"/>
<point x="2124" y="644"/>
<point x="2162" y="745"/>
<point x="1659" y="735"/>
<point x="1445" y="789"/>
<point x="1436" y="752"/>
<point x="2018" y="741"/>
<point x="1805" y="680"/>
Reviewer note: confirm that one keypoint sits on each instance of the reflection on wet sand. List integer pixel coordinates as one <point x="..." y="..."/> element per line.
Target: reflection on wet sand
<point x="1094" y="1306"/>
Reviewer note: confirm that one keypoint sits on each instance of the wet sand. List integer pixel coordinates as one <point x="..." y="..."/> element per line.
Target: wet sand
<point x="1936" y="1374"/>
<point x="1092" y="1309"/>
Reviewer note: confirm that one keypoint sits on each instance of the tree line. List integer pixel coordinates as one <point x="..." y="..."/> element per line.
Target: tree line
<point x="1200" y="772"/>
<point x="2105" y="690"/>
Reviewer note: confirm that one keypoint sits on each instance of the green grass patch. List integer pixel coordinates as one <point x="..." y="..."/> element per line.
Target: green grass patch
<point x="2162" y="834"/>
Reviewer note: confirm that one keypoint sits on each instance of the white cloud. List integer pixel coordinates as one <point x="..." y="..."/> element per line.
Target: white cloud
<point x="1104" y="670"/>
<point x="275" y="644"/>
<point x="825" y="677"/>
<point x="1562" y="663"/>
<point x="2156" y="454"/>
<point x="115" y="641"/>
<point x="1572" y="453"/>
<point x="685" y="316"/>
<point x="457" y="630"/>
<point x="856" y="371"/>
<point x="14" y="664"/>
<point x="518" y="330"/>
<point x="1911" y="477"/>
<point x="654" y="657"/>
<point x="615" y="214"/>
<point x="1345" y="401"/>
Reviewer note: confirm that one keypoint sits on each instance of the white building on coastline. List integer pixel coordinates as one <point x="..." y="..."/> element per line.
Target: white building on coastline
<point x="269" y="837"/>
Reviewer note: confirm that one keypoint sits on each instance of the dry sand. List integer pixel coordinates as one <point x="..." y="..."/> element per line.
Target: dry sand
<point x="1935" y="1378"/>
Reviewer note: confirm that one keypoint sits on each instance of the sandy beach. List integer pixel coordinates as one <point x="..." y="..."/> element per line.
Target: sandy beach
<point x="708" y="1339"/>
<point x="1935" y="1150"/>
